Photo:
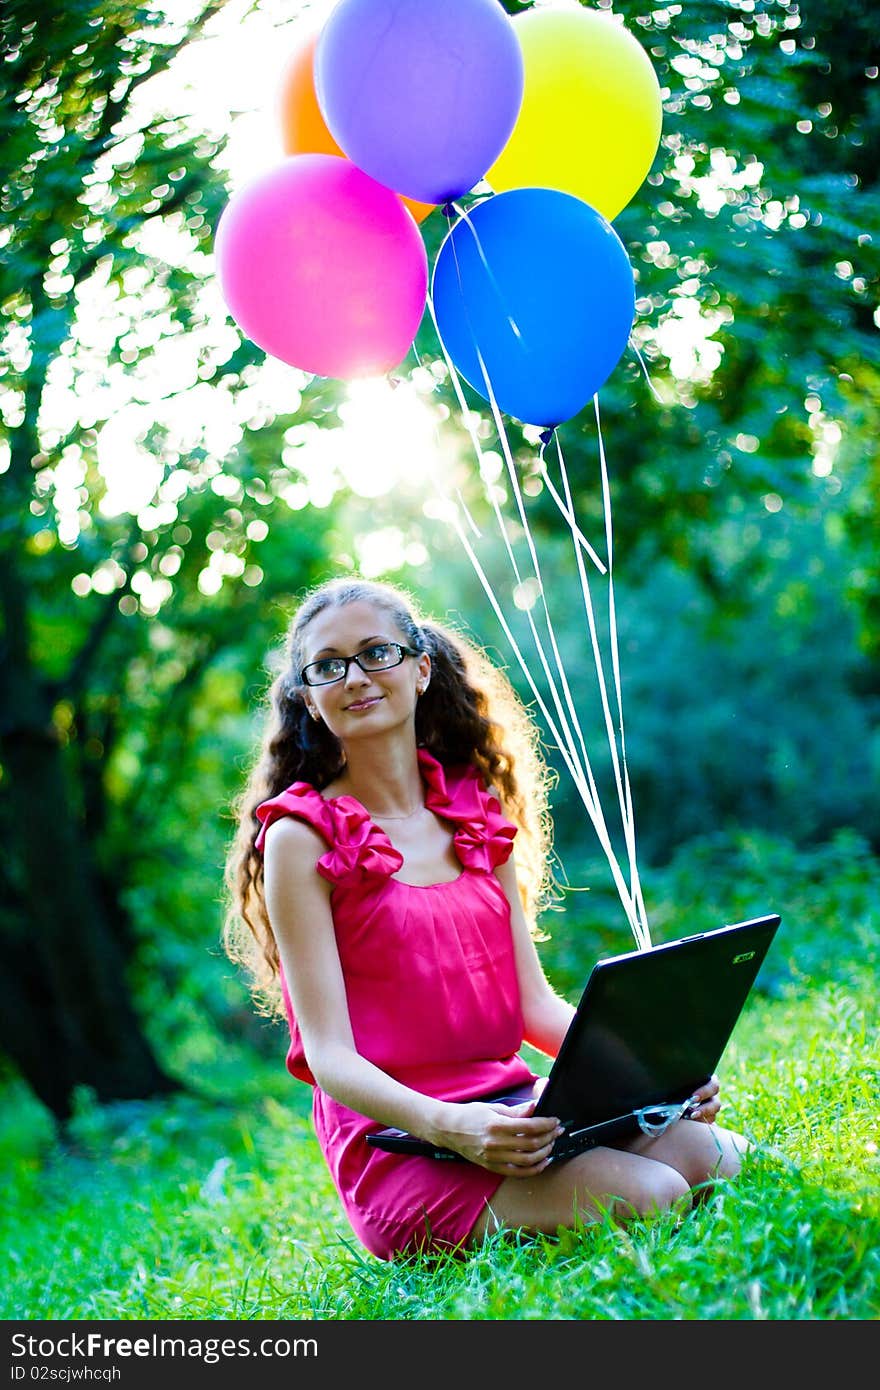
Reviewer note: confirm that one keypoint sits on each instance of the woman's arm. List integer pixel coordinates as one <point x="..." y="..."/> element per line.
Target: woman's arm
<point x="298" y="903"/>
<point x="546" y="1015"/>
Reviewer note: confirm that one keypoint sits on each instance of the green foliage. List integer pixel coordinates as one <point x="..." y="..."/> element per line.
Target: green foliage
<point x="126" y="626"/>
<point x="826" y="896"/>
<point x="748" y="699"/>
<point x="750" y="713"/>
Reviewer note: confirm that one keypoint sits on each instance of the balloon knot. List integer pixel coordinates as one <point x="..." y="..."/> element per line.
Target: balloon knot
<point x="545" y="436"/>
<point x="448" y="210"/>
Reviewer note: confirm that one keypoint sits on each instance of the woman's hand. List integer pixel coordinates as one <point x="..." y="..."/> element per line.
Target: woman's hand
<point x="705" y="1102"/>
<point x="506" y="1139"/>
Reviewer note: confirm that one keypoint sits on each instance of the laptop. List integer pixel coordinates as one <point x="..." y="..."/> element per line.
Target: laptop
<point x="651" y="1026"/>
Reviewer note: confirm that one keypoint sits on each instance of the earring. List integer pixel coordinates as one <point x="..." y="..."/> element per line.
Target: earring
<point x="313" y="712"/>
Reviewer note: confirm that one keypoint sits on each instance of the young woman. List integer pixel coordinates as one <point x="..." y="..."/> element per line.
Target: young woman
<point x="390" y="860"/>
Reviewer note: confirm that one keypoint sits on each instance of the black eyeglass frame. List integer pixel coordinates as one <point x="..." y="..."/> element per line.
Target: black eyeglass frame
<point x="402" y="653"/>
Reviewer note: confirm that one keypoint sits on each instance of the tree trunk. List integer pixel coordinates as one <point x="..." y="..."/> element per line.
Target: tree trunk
<point x="66" y="1015"/>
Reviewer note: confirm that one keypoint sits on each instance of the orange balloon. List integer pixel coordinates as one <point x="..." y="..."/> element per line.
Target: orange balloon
<point x="303" y="128"/>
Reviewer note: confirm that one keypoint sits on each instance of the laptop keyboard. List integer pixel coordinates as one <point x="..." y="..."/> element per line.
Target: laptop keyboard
<point x="577" y="1140"/>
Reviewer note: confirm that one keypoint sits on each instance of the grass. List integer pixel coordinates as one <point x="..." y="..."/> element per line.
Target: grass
<point x="219" y="1206"/>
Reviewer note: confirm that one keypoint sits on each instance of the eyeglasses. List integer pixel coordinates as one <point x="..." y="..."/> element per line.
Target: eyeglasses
<point x="382" y="656"/>
<point x="654" y="1120"/>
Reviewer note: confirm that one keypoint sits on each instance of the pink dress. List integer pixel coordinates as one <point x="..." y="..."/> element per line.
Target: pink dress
<point x="432" y="994"/>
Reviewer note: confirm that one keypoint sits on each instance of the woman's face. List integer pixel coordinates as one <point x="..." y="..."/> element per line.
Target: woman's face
<point x="362" y="702"/>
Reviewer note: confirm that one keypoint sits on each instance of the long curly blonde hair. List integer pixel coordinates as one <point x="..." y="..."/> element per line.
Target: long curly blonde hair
<point x="469" y="714"/>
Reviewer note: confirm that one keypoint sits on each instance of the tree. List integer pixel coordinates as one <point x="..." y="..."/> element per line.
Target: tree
<point x="111" y="614"/>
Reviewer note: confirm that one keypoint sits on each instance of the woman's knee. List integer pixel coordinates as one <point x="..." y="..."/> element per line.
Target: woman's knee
<point x="655" y="1188"/>
<point x="597" y="1184"/>
<point x="711" y="1153"/>
<point x="730" y="1149"/>
<point x="701" y="1153"/>
<point x="628" y="1186"/>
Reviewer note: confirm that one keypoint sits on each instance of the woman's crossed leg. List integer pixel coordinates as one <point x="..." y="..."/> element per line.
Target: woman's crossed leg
<point x="647" y="1178"/>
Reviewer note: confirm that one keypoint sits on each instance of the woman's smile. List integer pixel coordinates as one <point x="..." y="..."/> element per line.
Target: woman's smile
<point x="364" y="702"/>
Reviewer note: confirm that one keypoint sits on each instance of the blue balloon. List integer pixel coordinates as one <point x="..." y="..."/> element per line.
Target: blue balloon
<point x="533" y="289"/>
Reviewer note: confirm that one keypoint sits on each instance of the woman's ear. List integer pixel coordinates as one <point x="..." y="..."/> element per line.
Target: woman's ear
<point x="424" y="677"/>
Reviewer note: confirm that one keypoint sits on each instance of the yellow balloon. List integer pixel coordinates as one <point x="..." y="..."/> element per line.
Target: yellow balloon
<point x="591" y="112"/>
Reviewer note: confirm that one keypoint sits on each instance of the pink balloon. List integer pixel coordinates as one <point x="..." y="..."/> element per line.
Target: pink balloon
<point x="323" y="268"/>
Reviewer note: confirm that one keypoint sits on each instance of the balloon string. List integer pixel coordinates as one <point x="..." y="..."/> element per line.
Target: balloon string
<point x="585" y="785"/>
<point x="572" y="767"/>
<point x="517" y="492"/>
<point x="475" y="440"/>
<point x="644" y="368"/>
<point x="589" y="803"/>
<point x="462" y="213"/>
<point x="490" y="275"/>
<point x="633" y="905"/>
<point x="493" y="500"/>
<point x="594" y="637"/>
<point x="463" y="404"/>
<point x="502" y="435"/>
<point x="542" y="704"/>
<point x="621" y="776"/>
<point x="637" y="917"/>
<point x="568" y="516"/>
<point x="628" y="816"/>
<point x="638" y="925"/>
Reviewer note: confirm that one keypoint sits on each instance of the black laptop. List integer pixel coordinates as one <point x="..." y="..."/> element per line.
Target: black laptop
<point x="651" y="1027"/>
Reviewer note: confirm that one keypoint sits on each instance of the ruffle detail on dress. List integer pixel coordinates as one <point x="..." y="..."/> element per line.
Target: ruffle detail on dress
<point x="483" y="837"/>
<point x="359" y="844"/>
<point x="355" y="841"/>
<point x="483" y="834"/>
<point x="300" y="800"/>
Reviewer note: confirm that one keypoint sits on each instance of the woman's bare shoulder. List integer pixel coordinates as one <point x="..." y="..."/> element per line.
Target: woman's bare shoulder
<point x="293" y="838"/>
<point x="291" y="853"/>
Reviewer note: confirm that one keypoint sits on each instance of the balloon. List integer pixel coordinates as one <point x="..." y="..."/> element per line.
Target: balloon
<point x="303" y="128"/>
<point x="322" y="267"/>
<point x="539" y="286"/>
<point x="420" y="94"/>
<point x="591" y="112"/>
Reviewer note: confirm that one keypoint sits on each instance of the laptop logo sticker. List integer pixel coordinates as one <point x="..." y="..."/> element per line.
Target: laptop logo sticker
<point x="745" y="955"/>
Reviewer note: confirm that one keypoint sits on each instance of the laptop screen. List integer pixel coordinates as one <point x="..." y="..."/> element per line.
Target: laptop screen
<point x="652" y="1025"/>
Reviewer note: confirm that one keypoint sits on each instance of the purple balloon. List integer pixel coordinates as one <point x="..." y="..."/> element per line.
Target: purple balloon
<point x="421" y="94"/>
